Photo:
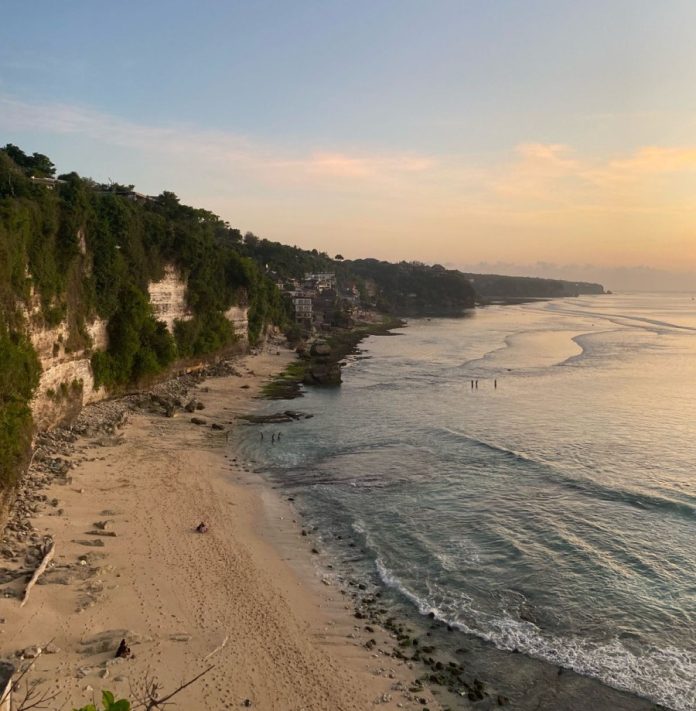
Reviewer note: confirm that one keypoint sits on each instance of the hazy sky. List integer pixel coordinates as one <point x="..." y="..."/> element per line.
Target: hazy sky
<point x="500" y="132"/>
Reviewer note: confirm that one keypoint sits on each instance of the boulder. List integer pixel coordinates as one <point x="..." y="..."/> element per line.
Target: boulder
<point x="323" y="374"/>
<point x="31" y="652"/>
<point x="320" y="348"/>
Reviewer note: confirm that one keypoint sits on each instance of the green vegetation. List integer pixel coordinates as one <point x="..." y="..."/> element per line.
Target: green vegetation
<point x="19" y="375"/>
<point x="412" y="288"/>
<point x="109" y="703"/>
<point x="91" y="250"/>
<point x="341" y="341"/>
<point x="494" y="287"/>
<point x="286" y="385"/>
<point x="72" y="250"/>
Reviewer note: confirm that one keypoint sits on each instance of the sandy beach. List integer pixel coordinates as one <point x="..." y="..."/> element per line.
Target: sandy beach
<point x="246" y="598"/>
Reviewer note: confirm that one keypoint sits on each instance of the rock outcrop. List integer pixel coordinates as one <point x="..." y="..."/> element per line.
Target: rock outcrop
<point x="67" y="380"/>
<point x="168" y="298"/>
<point x="323" y="368"/>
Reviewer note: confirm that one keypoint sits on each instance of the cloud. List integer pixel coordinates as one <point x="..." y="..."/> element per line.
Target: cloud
<point x="545" y="199"/>
<point x="212" y="148"/>
<point x="647" y="162"/>
<point x="348" y="166"/>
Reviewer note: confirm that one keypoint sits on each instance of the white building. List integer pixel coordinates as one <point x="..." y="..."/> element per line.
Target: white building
<point x="321" y="281"/>
<point x="303" y="308"/>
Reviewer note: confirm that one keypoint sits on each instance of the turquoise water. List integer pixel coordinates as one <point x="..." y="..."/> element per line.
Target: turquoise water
<point x="553" y="514"/>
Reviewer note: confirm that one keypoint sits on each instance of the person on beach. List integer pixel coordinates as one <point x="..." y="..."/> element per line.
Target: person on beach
<point x="495" y="384"/>
<point x="123" y="651"/>
<point x="262" y="436"/>
<point x="279" y="436"/>
<point x="273" y="438"/>
<point x="472" y="384"/>
<point x="202" y="527"/>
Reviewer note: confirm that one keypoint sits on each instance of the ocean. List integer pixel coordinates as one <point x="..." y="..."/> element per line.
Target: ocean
<point x="527" y="475"/>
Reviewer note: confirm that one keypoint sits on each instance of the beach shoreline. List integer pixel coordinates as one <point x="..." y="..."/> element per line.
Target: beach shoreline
<point x="129" y="564"/>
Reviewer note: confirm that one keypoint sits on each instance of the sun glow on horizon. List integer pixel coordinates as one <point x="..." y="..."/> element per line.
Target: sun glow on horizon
<point x="457" y="134"/>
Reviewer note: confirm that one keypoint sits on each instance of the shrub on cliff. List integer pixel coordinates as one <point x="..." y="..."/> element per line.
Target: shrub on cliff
<point x="139" y="345"/>
<point x="19" y="375"/>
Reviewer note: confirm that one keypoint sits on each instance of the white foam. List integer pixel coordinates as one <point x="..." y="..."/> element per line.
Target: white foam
<point x="664" y="675"/>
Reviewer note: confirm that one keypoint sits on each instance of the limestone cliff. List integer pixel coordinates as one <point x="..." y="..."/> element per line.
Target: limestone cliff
<point x="168" y="298"/>
<point x="67" y="380"/>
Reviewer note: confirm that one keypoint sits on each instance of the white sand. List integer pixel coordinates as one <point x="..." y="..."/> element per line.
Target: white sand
<point x="283" y="640"/>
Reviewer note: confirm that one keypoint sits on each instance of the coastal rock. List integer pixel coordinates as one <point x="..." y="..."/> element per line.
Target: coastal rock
<point x="198" y="421"/>
<point x="320" y="348"/>
<point x="323" y="374"/>
<point x="275" y="417"/>
<point x="31" y="652"/>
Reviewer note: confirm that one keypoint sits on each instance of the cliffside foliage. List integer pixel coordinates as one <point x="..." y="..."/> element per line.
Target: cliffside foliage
<point x="73" y="250"/>
<point x="91" y="250"/>
<point x="412" y="288"/>
<point x="495" y="286"/>
<point x="19" y="375"/>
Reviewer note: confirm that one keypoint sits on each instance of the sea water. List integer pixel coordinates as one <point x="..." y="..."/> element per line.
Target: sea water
<point x="526" y="473"/>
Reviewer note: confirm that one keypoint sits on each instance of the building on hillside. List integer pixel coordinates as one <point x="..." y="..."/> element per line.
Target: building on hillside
<point x="128" y="194"/>
<point x="303" y="309"/>
<point x="350" y="294"/>
<point x="49" y="183"/>
<point x="321" y="281"/>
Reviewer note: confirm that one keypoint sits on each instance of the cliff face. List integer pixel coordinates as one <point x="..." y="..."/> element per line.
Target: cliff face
<point x="67" y="380"/>
<point x="168" y="298"/>
<point x="102" y="291"/>
<point x="238" y="316"/>
<point x="66" y="383"/>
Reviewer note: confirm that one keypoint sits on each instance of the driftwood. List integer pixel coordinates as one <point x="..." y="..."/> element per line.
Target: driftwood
<point x="217" y="649"/>
<point x="48" y="555"/>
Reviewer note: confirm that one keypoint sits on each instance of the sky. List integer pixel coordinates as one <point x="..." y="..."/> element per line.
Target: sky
<point x="540" y="137"/>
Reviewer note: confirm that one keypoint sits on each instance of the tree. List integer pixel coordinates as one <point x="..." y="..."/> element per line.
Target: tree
<point x="36" y="164"/>
<point x="339" y="257"/>
<point x="42" y="166"/>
